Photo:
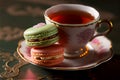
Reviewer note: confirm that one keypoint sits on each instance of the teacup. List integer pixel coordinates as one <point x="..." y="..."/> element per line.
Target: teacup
<point x="78" y="23"/>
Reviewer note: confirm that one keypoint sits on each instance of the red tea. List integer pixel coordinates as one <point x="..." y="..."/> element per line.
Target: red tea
<point x="71" y="17"/>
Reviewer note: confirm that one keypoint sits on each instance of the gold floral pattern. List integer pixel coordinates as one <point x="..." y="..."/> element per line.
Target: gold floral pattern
<point x="10" y="71"/>
<point x="15" y="10"/>
<point x="8" y="33"/>
<point x="48" y="2"/>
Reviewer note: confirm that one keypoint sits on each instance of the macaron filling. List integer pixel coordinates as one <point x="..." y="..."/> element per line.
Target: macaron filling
<point x="42" y="39"/>
<point x="48" y="58"/>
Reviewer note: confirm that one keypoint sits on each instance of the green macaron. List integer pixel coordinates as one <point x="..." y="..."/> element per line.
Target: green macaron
<point x="41" y="36"/>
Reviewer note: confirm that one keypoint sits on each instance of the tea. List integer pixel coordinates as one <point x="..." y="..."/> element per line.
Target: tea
<point x="71" y="17"/>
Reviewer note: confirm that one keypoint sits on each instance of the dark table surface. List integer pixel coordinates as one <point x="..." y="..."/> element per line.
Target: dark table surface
<point x="18" y="15"/>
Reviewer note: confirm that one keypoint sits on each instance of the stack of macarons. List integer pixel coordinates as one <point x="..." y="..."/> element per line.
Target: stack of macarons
<point x="43" y="40"/>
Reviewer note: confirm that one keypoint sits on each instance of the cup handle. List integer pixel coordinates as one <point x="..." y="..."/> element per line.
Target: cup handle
<point x="110" y="26"/>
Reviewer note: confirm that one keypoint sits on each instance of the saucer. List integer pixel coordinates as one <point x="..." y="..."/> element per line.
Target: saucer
<point x="99" y="51"/>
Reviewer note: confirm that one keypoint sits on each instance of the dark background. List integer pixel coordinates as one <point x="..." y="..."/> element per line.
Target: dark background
<point x="22" y="14"/>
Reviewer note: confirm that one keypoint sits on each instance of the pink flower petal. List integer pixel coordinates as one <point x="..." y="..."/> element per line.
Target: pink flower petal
<point x="39" y="25"/>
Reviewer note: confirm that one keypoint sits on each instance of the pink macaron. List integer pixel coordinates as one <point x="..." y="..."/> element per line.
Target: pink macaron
<point x="48" y="56"/>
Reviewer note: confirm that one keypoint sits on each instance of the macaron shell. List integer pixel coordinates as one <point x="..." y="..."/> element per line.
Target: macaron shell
<point x="40" y="32"/>
<point x="53" y="50"/>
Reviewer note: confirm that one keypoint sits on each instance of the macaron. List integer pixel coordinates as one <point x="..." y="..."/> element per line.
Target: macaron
<point x="48" y="56"/>
<point x="41" y="35"/>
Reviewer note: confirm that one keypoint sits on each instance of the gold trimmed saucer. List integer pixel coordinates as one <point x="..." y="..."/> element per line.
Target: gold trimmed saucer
<point x="99" y="51"/>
